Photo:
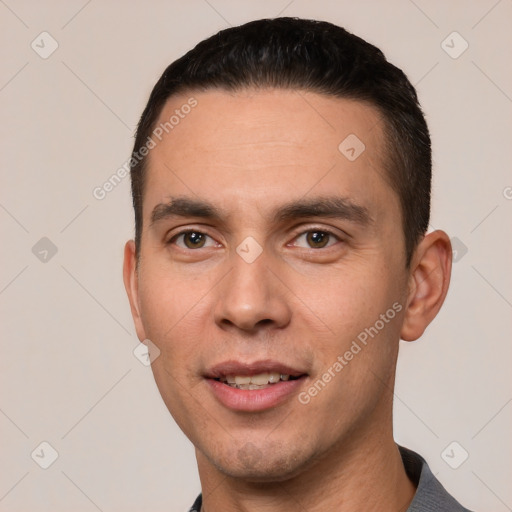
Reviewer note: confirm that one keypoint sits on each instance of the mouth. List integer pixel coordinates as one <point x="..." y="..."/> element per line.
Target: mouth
<point x="259" y="381"/>
<point x="254" y="386"/>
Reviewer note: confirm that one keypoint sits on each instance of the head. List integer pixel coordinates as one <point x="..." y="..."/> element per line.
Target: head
<point x="280" y="216"/>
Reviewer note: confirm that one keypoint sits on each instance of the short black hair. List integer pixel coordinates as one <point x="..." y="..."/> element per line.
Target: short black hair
<point x="316" y="56"/>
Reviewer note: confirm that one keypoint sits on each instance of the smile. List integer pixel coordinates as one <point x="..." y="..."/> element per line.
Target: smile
<point x="253" y="387"/>
<point x="259" y="381"/>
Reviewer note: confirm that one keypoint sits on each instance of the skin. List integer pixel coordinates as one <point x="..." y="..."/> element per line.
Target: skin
<point x="249" y="153"/>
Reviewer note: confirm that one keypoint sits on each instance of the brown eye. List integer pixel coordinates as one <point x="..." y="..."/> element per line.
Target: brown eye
<point x="194" y="239"/>
<point x="317" y="239"/>
<point x="190" y="239"/>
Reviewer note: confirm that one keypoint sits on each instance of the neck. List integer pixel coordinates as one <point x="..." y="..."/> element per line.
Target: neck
<point x="364" y="474"/>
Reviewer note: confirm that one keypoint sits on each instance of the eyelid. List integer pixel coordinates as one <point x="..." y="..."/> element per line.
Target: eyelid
<point x="337" y="233"/>
<point x="171" y="239"/>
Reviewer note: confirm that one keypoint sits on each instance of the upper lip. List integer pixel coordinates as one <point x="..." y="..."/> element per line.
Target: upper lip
<point x="233" y="367"/>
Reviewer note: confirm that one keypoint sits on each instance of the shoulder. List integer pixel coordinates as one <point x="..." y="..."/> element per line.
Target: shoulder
<point x="430" y="495"/>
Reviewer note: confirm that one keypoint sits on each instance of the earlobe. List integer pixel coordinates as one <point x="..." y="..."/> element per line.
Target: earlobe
<point x="130" y="279"/>
<point x="428" y="283"/>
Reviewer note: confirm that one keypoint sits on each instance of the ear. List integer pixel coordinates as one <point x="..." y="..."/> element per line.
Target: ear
<point x="131" y="284"/>
<point x="429" y="279"/>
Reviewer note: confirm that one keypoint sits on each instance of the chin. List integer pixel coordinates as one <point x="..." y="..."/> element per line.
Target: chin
<point x="272" y="463"/>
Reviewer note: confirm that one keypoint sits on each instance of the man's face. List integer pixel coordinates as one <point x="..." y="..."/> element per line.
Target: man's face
<point x="304" y="254"/>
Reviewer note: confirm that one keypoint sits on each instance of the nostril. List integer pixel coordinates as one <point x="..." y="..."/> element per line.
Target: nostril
<point x="266" y="321"/>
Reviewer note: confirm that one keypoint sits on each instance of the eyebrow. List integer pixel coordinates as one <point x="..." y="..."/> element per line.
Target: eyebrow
<point x="185" y="207"/>
<point x="328" y="207"/>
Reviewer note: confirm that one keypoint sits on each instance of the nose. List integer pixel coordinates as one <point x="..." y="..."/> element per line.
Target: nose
<point x="251" y="297"/>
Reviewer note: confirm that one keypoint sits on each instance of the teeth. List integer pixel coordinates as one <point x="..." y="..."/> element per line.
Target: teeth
<point x="255" y="381"/>
<point x="261" y="379"/>
<point x="242" y="379"/>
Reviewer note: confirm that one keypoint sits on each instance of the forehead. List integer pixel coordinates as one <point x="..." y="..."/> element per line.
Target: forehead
<point x="263" y="146"/>
<point x="229" y="122"/>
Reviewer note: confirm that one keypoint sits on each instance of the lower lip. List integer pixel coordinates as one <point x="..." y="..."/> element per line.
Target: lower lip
<point x="252" y="400"/>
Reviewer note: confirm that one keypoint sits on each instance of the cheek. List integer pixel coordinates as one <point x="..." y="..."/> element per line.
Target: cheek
<point x="170" y="307"/>
<point x="349" y="298"/>
<point x="170" y="310"/>
<point x="362" y="310"/>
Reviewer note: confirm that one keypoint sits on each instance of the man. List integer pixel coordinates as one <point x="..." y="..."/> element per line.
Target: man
<point x="281" y="186"/>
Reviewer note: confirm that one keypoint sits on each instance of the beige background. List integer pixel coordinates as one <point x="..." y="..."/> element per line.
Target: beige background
<point x="68" y="374"/>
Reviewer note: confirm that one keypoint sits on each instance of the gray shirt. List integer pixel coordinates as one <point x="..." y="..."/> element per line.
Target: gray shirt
<point x="430" y="495"/>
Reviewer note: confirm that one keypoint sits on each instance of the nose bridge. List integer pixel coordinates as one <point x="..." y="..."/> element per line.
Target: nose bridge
<point x="250" y="294"/>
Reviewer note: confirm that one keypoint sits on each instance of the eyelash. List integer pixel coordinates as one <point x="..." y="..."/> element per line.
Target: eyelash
<point x="310" y="230"/>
